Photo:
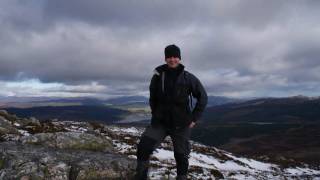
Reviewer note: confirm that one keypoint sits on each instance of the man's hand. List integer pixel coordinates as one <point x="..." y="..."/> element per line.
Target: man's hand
<point x="192" y="124"/>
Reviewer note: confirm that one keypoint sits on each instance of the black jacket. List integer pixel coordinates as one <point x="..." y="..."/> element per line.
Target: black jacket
<point x="170" y="105"/>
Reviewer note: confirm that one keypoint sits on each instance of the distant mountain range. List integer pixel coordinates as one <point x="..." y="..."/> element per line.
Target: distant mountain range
<point x="219" y="109"/>
<point x="128" y="100"/>
<point x="124" y="100"/>
<point x="124" y="109"/>
<point x="220" y="100"/>
<point x="271" y="110"/>
<point x="71" y="113"/>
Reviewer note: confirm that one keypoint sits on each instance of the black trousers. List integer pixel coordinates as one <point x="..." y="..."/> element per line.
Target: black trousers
<point x="153" y="136"/>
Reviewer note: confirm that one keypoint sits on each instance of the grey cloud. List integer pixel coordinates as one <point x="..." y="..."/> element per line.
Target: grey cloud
<point x="271" y="45"/>
<point x="169" y="14"/>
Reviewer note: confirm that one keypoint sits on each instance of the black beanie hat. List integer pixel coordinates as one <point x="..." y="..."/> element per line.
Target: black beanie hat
<point x="172" y="51"/>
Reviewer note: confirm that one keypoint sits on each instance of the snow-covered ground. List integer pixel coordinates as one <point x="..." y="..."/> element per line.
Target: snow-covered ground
<point x="205" y="162"/>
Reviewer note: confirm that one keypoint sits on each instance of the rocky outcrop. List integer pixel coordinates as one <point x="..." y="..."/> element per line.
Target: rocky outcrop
<point x="79" y="150"/>
<point x="6" y="127"/>
<point x="53" y="150"/>
<point x="70" y="140"/>
<point x="19" y="160"/>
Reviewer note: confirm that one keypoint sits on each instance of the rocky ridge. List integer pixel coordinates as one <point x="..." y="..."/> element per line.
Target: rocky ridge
<point x="30" y="149"/>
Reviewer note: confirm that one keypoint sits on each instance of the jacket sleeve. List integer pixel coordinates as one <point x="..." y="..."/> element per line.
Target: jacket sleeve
<point x="198" y="92"/>
<point x="153" y="92"/>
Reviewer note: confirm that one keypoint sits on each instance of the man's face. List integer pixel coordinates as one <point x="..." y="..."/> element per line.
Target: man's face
<point x="172" y="62"/>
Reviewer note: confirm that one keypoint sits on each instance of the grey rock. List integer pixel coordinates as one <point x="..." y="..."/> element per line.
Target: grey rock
<point x="3" y="112"/>
<point x="34" y="121"/>
<point x="6" y="127"/>
<point x="70" y="140"/>
<point x="27" y="161"/>
<point x="11" y="118"/>
<point x="44" y="150"/>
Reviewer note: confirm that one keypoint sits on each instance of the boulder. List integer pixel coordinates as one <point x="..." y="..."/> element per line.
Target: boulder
<point x="6" y="127"/>
<point x="28" y="161"/>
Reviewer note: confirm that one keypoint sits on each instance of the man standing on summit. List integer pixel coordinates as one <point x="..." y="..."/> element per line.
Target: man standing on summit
<point x="170" y="89"/>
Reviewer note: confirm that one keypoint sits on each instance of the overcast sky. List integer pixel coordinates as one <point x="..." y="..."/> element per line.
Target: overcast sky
<point x="238" y="48"/>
